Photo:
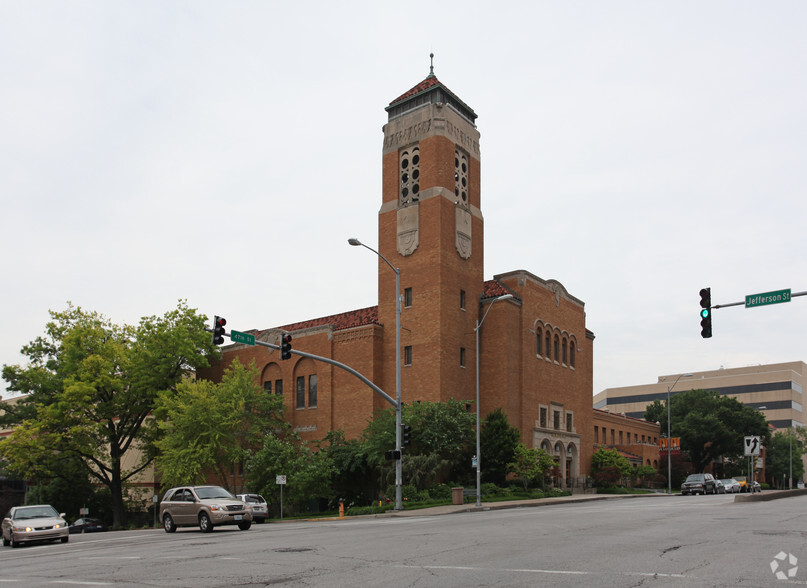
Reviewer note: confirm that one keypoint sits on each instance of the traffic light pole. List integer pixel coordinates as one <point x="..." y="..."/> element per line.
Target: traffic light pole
<point x="347" y="368"/>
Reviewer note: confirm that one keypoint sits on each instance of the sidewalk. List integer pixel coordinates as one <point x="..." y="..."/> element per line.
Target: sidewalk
<point x="573" y="499"/>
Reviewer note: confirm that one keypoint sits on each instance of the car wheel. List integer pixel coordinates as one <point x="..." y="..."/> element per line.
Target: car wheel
<point x="204" y="523"/>
<point x="65" y="539"/>
<point x="168" y="524"/>
<point x="14" y="543"/>
<point x="244" y="525"/>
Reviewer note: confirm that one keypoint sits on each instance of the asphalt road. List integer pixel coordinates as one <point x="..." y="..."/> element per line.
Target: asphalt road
<point x="652" y="541"/>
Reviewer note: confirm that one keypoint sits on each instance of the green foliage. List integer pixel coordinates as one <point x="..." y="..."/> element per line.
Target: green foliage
<point x="529" y="465"/>
<point x="608" y="467"/>
<point x="443" y="436"/>
<point x="308" y="472"/>
<point x="709" y="425"/>
<point x="498" y="440"/>
<point x="91" y="384"/>
<point x="213" y="427"/>
<point x="778" y="455"/>
<point x="352" y="479"/>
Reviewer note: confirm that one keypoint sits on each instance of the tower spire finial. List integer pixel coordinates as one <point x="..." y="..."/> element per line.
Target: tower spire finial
<point x="431" y="67"/>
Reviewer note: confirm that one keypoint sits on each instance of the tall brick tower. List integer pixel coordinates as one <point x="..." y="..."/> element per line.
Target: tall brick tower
<point x="430" y="226"/>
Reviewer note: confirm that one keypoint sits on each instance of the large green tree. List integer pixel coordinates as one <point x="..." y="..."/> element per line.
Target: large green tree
<point x="783" y="453"/>
<point x="443" y="439"/>
<point x="206" y="427"/>
<point x="709" y="425"/>
<point x="499" y="441"/>
<point x="90" y="384"/>
<point x="529" y="465"/>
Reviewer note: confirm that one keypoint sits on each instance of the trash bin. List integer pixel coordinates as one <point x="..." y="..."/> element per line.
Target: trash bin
<point x="457" y="495"/>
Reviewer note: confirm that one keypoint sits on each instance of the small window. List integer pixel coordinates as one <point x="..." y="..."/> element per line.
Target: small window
<point x="538" y="339"/>
<point x="407" y="297"/>
<point x="462" y="356"/>
<point x="312" y="391"/>
<point x="569" y="423"/>
<point x="563" y="347"/>
<point x="462" y="299"/>
<point x="571" y="353"/>
<point x="279" y="387"/>
<point x="556" y="419"/>
<point x="543" y="417"/>
<point x="596" y="434"/>
<point x="300" y="391"/>
<point x="620" y="437"/>
<point x="267" y="387"/>
<point x="547" y="347"/>
<point x="408" y="355"/>
<point x="557" y="348"/>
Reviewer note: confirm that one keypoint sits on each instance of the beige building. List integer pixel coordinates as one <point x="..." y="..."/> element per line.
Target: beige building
<point x="774" y="389"/>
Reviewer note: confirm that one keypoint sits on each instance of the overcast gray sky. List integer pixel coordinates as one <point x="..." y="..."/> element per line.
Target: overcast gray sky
<point x="223" y="152"/>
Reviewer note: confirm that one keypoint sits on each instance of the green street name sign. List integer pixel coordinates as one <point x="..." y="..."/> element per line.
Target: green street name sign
<point x="766" y="298"/>
<point x="239" y="337"/>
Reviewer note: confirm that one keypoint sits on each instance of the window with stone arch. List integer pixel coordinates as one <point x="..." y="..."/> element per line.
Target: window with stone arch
<point x="409" y="173"/>
<point x="557" y="348"/>
<point x="539" y="336"/>
<point x="572" y="349"/>
<point x="461" y="177"/>
<point x="564" y="346"/>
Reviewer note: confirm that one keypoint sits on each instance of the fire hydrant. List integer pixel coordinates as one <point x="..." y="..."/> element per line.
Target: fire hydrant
<point x="341" y="508"/>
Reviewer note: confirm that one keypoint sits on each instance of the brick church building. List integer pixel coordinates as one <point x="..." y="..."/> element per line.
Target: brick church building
<point x="535" y="351"/>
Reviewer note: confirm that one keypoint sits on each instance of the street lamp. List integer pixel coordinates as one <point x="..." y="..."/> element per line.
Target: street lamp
<point x="398" y="468"/>
<point x="478" y="440"/>
<point x="669" y="440"/>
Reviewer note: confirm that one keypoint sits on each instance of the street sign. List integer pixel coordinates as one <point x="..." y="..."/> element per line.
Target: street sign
<point x="752" y="445"/>
<point x="775" y="297"/>
<point x="674" y="445"/>
<point x="280" y="480"/>
<point x="239" y="337"/>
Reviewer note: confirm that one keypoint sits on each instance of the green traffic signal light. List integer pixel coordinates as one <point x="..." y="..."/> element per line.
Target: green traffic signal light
<point x="705" y="313"/>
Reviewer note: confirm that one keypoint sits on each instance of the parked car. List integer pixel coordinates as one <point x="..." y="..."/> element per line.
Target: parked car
<point x="40" y="522"/>
<point x="87" y="525"/>
<point x="731" y="485"/>
<point x="206" y="506"/>
<point x="257" y="503"/>
<point x="743" y="482"/>
<point x="756" y="487"/>
<point x="719" y="487"/>
<point x="699" y="484"/>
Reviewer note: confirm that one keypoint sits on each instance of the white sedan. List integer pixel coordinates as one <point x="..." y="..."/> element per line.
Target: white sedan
<point x="732" y="486"/>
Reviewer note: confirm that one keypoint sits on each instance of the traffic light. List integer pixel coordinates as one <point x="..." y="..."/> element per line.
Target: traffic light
<point x="406" y="441"/>
<point x="392" y="455"/>
<point x="218" y="329"/>
<point x="285" y="346"/>
<point x="706" y="313"/>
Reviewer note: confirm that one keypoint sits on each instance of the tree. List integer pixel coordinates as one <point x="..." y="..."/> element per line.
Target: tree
<point x="443" y="436"/>
<point x="608" y="466"/>
<point x="206" y="427"/>
<point x="529" y="465"/>
<point x="499" y="441"/>
<point x="90" y="385"/>
<point x="709" y="425"/>
<point x="308" y="472"/>
<point x="352" y="475"/>
<point x="778" y="456"/>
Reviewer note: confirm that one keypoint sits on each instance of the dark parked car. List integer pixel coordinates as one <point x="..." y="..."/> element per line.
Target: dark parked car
<point x="699" y="484"/>
<point x="87" y="525"/>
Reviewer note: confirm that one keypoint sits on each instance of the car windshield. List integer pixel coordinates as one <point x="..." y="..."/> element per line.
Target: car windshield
<point x="253" y="498"/>
<point x="35" y="512"/>
<point x="213" y="492"/>
<point x="695" y="478"/>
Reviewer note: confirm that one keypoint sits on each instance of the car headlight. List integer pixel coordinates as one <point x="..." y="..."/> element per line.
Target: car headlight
<point x="215" y="507"/>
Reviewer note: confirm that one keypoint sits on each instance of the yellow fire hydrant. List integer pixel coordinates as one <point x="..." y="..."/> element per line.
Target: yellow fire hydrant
<point x="341" y="509"/>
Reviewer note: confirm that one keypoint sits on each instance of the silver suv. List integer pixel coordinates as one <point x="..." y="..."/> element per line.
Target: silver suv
<point x="257" y="503"/>
<point x="206" y="506"/>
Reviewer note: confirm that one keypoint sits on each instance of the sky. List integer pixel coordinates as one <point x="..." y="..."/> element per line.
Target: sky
<point x="222" y="153"/>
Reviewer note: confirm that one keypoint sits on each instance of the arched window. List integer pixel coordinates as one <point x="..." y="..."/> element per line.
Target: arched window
<point x="538" y="339"/>
<point x="557" y="348"/>
<point x="572" y="345"/>
<point x="564" y="346"/>
<point x="547" y="347"/>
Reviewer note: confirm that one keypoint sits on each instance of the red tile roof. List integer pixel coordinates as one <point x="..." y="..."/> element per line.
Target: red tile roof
<point x="429" y="82"/>
<point x="492" y="289"/>
<point x="345" y="320"/>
